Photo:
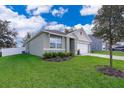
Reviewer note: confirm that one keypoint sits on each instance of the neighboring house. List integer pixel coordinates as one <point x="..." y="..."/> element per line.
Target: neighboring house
<point x="118" y="44"/>
<point x="96" y="44"/>
<point x="105" y="45"/>
<point x="56" y="41"/>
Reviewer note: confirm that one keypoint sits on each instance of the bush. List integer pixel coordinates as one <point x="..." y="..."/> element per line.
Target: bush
<point x="61" y="54"/>
<point x="57" y="54"/>
<point x="47" y="55"/>
<point x="92" y="51"/>
<point x="67" y="54"/>
<point x="71" y="54"/>
<point x="54" y="54"/>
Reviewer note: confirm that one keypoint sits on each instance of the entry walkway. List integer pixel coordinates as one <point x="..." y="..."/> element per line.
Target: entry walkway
<point x="106" y="56"/>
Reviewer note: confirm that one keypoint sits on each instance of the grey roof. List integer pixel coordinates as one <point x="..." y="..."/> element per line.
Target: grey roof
<point x="93" y="38"/>
<point x="56" y="32"/>
<point x="48" y="31"/>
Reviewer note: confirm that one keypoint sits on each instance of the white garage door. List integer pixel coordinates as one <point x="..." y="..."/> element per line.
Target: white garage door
<point x="83" y="48"/>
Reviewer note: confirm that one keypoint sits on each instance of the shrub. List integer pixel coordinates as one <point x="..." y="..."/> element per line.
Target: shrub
<point x="71" y="54"/>
<point x="57" y="54"/>
<point x="47" y="55"/>
<point x="66" y="54"/>
<point x="54" y="54"/>
<point x="61" y="54"/>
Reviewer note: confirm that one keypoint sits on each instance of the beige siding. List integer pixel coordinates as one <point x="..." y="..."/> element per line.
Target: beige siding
<point x="46" y="39"/>
<point x="75" y="46"/>
<point x="63" y="42"/>
<point x="68" y="44"/>
<point x="36" y="46"/>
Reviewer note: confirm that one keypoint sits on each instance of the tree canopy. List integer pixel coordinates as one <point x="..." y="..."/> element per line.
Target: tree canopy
<point x="109" y="25"/>
<point x="7" y="35"/>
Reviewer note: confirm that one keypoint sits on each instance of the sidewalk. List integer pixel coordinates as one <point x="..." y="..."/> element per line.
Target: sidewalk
<point x="107" y="56"/>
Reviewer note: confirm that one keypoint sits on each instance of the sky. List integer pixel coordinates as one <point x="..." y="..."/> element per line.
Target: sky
<point x="33" y="18"/>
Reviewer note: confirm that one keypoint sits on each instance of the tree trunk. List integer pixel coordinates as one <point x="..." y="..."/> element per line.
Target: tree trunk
<point x="110" y="55"/>
<point x="110" y="42"/>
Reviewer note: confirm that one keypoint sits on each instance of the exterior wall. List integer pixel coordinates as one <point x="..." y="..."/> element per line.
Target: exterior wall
<point x="96" y="43"/>
<point x="81" y="37"/>
<point x="47" y="45"/>
<point x="67" y="44"/>
<point x="41" y="44"/>
<point x="89" y="48"/>
<point x="105" y="46"/>
<point x="85" y="43"/>
<point x="76" y="46"/>
<point x="63" y="42"/>
<point x="45" y="40"/>
<point x="35" y="46"/>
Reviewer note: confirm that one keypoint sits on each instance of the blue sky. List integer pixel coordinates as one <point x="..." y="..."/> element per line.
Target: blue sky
<point x="71" y="18"/>
<point x="34" y="18"/>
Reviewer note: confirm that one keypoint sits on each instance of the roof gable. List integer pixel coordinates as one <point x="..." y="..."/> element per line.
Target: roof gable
<point x="80" y="34"/>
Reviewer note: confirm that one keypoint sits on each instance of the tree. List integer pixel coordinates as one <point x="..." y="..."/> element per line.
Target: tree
<point x="27" y="37"/>
<point x="109" y="25"/>
<point x="7" y="35"/>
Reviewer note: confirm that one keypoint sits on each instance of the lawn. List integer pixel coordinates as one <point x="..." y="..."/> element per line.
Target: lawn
<point x="116" y="53"/>
<point x="32" y="71"/>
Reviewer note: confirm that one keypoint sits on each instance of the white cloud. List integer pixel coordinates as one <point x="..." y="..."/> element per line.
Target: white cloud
<point x="56" y="26"/>
<point x="21" y="23"/>
<point x="87" y="27"/>
<point x="61" y="27"/>
<point x="89" y="10"/>
<point x="36" y="10"/>
<point x="59" y="12"/>
<point x="78" y="26"/>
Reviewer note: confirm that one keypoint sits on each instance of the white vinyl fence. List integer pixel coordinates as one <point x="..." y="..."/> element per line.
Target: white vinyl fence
<point x="12" y="51"/>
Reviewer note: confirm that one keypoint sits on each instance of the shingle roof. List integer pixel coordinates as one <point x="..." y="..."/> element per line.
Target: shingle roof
<point x="56" y="32"/>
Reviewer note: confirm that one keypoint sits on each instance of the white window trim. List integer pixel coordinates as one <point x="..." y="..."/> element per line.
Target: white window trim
<point x="55" y="43"/>
<point x="53" y="49"/>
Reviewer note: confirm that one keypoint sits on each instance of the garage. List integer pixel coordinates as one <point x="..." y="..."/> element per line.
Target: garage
<point x="83" y="48"/>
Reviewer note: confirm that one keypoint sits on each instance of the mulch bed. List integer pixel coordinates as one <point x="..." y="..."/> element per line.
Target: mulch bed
<point x="58" y="59"/>
<point x="110" y="71"/>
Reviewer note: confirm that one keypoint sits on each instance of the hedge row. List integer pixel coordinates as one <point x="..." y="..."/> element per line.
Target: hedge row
<point x="57" y="54"/>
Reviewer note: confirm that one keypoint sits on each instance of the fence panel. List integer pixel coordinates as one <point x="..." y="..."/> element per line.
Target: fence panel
<point x="12" y="51"/>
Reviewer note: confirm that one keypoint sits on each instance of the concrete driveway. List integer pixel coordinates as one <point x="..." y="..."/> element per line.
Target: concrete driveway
<point x="107" y="56"/>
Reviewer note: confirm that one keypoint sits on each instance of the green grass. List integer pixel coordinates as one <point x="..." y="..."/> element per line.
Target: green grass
<point x="32" y="71"/>
<point x="116" y="53"/>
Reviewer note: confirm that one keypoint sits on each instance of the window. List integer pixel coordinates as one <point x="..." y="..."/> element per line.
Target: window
<point x="80" y="32"/>
<point x="55" y="42"/>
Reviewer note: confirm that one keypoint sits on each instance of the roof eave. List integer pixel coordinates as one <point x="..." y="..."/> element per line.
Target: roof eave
<point x="43" y="31"/>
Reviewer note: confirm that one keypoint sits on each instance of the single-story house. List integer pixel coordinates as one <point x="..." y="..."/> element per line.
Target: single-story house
<point x="55" y="41"/>
<point x="96" y="44"/>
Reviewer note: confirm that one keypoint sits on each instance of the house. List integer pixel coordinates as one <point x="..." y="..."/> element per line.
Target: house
<point x="96" y="44"/>
<point x="56" y="41"/>
<point x="105" y="45"/>
<point x="118" y="44"/>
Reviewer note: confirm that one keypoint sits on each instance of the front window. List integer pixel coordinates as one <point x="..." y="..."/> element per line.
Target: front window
<point x="55" y="42"/>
